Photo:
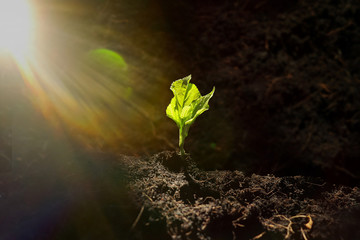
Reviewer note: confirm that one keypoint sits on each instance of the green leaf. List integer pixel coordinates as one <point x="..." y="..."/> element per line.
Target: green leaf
<point x="186" y="105"/>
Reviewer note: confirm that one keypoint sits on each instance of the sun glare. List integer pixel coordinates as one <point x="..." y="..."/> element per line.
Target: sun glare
<point x="16" y="25"/>
<point x="74" y="81"/>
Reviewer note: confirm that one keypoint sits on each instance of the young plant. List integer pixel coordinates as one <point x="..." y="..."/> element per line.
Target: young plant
<point x="186" y="105"/>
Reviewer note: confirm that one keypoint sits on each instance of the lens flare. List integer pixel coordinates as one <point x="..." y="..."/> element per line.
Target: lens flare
<point x="95" y="81"/>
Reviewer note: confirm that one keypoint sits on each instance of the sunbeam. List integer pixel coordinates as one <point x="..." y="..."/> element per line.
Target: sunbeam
<point x="98" y="92"/>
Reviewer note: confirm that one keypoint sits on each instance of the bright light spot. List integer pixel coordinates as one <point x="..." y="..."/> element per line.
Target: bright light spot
<point x="16" y="27"/>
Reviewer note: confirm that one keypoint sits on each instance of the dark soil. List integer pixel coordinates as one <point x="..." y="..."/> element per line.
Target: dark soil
<point x="275" y="157"/>
<point x="231" y="205"/>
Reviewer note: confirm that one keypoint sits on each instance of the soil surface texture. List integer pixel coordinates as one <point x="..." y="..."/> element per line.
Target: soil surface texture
<point x="231" y="205"/>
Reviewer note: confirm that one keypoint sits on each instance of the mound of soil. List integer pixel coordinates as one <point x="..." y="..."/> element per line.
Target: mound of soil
<point x="231" y="205"/>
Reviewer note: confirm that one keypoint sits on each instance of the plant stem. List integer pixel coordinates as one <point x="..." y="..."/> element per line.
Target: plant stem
<point x="181" y="143"/>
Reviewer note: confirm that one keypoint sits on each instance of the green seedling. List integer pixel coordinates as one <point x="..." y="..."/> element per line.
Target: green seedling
<point x="186" y="105"/>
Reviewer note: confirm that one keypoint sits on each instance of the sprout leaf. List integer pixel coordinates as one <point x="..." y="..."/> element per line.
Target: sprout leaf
<point x="186" y="105"/>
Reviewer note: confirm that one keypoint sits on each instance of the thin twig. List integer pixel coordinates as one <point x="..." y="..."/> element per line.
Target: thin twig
<point x="303" y="233"/>
<point x="258" y="236"/>
<point x="137" y="219"/>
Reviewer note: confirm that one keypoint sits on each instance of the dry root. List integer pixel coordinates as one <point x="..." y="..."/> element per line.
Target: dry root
<point x="283" y="222"/>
